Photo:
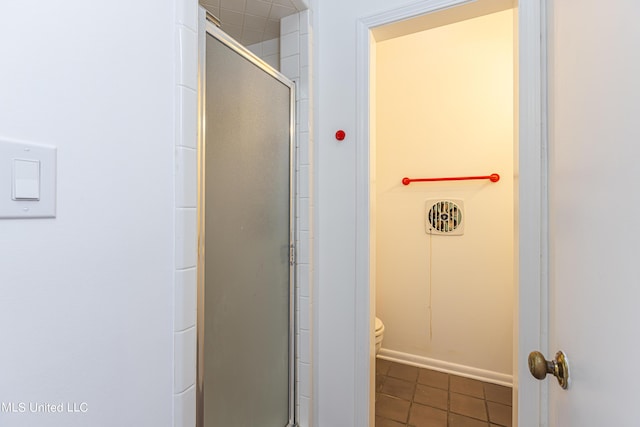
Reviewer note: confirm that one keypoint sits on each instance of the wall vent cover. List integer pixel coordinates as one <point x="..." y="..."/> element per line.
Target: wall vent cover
<point x="445" y="217"/>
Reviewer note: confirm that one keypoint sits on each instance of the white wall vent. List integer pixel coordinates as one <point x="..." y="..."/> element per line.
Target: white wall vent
<point x="445" y="217"/>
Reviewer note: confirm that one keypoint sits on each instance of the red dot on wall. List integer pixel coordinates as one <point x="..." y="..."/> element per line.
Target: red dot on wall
<point x="340" y="135"/>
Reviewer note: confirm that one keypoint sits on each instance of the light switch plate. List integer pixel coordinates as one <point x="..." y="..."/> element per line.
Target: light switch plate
<point x="44" y="206"/>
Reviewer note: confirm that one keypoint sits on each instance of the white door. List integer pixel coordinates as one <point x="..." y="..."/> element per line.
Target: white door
<point x="594" y="141"/>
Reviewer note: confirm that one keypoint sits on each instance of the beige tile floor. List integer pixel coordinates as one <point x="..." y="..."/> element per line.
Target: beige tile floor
<point x="407" y="396"/>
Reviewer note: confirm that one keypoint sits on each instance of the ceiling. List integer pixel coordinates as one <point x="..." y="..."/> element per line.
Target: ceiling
<point x="253" y="21"/>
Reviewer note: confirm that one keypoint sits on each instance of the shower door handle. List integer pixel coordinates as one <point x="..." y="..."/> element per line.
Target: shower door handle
<point x="559" y="367"/>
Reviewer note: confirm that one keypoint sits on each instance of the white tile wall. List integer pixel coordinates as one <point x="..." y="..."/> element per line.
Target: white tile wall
<point x="290" y="66"/>
<point x="304" y="183"/>
<point x="289" y="44"/>
<point x="268" y="51"/>
<point x="184" y="353"/>
<point x="305" y="321"/>
<point x="303" y="115"/>
<point x="295" y="39"/>
<point x="290" y="24"/>
<point x="187" y="68"/>
<point x="304" y="153"/>
<point x="186" y="229"/>
<point x="304" y="251"/>
<point x="184" y="408"/>
<point x="304" y="50"/>
<point x="304" y="280"/>
<point x="304" y="347"/>
<point x="305" y="411"/>
<point x="186" y="119"/>
<point x="271" y="47"/>
<point x="187" y="14"/>
<point x="186" y="177"/>
<point x="304" y="216"/>
<point x="185" y="299"/>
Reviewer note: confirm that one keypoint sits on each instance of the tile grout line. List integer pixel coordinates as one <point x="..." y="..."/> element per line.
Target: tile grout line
<point x="486" y="405"/>
<point x="448" y="397"/>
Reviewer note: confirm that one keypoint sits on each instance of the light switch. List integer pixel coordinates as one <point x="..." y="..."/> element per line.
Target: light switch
<point x="26" y="179"/>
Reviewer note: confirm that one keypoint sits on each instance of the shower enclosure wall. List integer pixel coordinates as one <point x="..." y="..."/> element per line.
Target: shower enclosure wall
<point x="246" y="349"/>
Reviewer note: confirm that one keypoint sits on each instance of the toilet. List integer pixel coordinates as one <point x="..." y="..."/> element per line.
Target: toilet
<point x="379" y="334"/>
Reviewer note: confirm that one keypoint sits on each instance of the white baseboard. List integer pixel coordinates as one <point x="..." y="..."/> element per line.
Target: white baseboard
<point x="448" y="367"/>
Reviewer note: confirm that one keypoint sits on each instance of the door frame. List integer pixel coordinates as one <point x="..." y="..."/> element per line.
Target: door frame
<point x="530" y="302"/>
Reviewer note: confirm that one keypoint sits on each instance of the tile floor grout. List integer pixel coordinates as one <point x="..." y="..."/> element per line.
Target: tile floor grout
<point x="415" y="397"/>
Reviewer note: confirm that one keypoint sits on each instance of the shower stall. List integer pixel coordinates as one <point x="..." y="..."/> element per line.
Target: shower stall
<point x="246" y="373"/>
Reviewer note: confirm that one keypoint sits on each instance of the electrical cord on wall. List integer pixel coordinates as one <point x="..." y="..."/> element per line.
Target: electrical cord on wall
<point x="430" y="288"/>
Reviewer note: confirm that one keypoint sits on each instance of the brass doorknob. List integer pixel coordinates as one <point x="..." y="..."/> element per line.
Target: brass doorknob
<point x="559" y="367"/>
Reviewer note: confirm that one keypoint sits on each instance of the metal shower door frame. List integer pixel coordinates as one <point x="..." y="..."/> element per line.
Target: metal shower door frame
<point x="208" y="25"/>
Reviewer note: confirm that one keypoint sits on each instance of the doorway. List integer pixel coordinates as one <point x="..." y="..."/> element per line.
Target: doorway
<point x="246" y="372"/>
<point x="429" y="295"/>
<point x="444" y="106"/>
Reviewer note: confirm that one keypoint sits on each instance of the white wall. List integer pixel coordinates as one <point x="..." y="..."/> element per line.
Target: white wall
<point x="86" y="303"/>
<point x="445" y="108"/>
<point x="335" y="185"/>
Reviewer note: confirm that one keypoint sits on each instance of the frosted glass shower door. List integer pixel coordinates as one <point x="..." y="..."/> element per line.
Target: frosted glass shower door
<point x="245" y="319"/>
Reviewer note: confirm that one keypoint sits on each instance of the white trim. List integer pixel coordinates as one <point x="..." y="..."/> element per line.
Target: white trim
<point x="531" y="302"/>
<point x="447" y="367"/>
<point x="362" y="310"/>
<point x="412" y="10"/>
<point x="531" y="298"/>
